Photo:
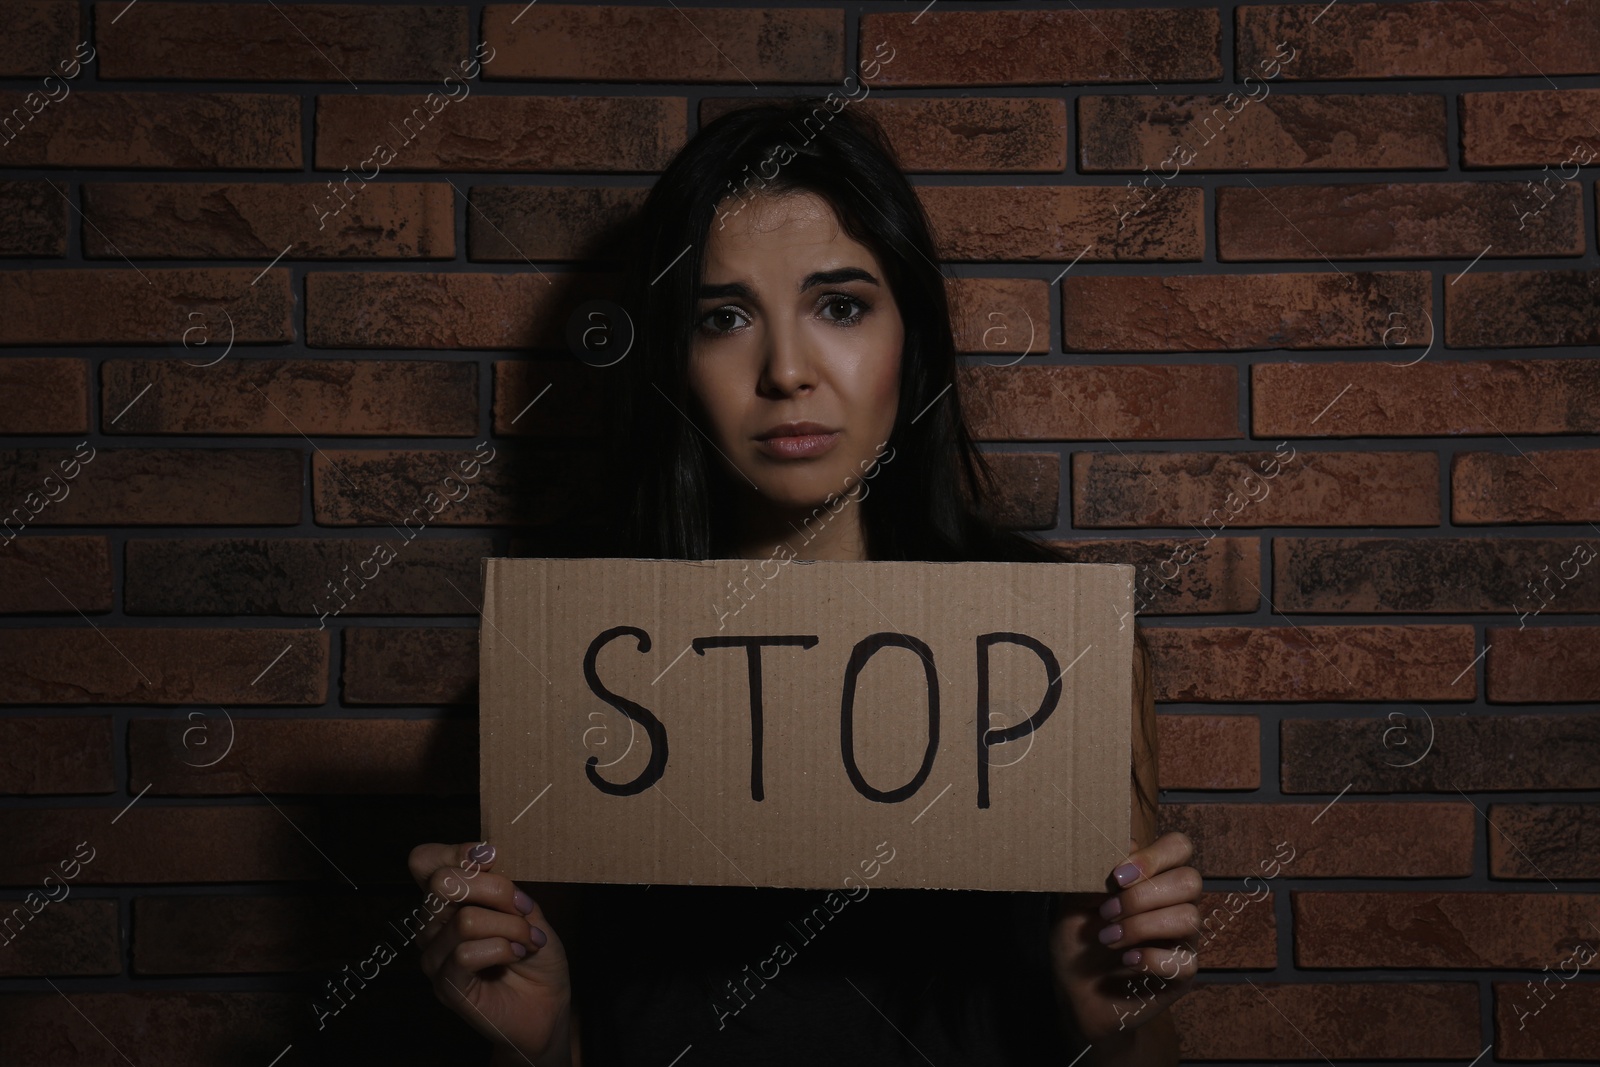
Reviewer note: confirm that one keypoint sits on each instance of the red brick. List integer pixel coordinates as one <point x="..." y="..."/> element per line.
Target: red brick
<point x="1524" y="129"/>
<point x="1237" y="932"/>
<point x="1324" y="131"/>
<point x="192" y="934"/>
<point x="261" y="42"/>
<point x="33" y="219"/>
<point x="64" y="937"/>
<point x="523" y="223"/>
<point x="1410" y="397"/>
<point x="990" y="135"/>
<point x="1235" y="312"/>
<point x="1412" y="574"/>
<point x="181" y="1029"/>
<point x="999" y="314"/>
<point x="1544" y="486"/>
<point x="170" y="131"/>
<point x="325" y="397"/>
<point x="1403" y="752"/>
<point x="571" y="42"/>
<point x="45" y="395"/>
<point x="337" y="756"/>
<point x="160" y="486"/>
<point x="1056" y="223"/>
<point x="1548" y="1019"/>
<point x="1235" y="664"/>
<point x="123" y="665"/>
<point x="1397" y="220"/>
<point x="1122" y="403"/>
<point x="55" y="575"/>
<point x="1316" y="489"/>
<point x="500" y="133"/>
<point x="1543" y="664"/>
<point x="340" y="218"/>
<point x="139" y="306"/>
<point x="1342" y="839"/>
<point x="1487" y="309"/>
<point x="1437" y="929"/>
<point x="1446" y="39"/>
<point x="1212" y="575"/>
<point x="384" y="487"/>
<point x="1312" y="1020"/>
<point x="151" y="843"/>
<point x="1209" y="752"/>
<point x="968" y="48"/>
<point x="59" y="754"/>
<point x="414" y="309"/>
<point x="305" y="576"/>
<point x="41" y="35"/>
<point x="1027" y="490"/>
<point x="405" y="665"/>
<point x="1543" y="841"/>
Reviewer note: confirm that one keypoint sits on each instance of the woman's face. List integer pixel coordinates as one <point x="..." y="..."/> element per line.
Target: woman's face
<point x="795" y="324"/>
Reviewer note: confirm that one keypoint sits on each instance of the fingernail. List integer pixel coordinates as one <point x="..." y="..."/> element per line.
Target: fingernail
<point x="1125" y="873"/>
<point x="523" y="902"/>
<point x="483" y="853"/>
<point x="1111" y="933"/>
<point x="537" y="936"/>
<point x="1132" y="957"/>
<point x="1111" y="908"/>
<point x="518" y="950"/>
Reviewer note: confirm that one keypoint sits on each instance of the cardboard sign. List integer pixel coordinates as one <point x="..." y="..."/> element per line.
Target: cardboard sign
<point x="734" y="722"/>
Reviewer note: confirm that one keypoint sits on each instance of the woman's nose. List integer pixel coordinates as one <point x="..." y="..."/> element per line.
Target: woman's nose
<point x="790" y="363"/>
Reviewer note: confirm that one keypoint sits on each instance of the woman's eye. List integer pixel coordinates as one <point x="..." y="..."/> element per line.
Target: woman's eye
<point x="721" y="320"/>
<point x="852" y="308"/>
<point x="839" y="308"/>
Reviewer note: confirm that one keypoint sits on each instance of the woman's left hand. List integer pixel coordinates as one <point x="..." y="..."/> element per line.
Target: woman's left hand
<point x="1120" y="961"/>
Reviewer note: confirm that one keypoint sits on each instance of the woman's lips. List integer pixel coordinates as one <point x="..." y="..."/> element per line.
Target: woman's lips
<point x="801" y="446"/>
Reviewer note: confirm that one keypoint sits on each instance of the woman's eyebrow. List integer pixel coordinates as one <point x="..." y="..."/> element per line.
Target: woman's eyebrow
<point x="834" y="277"/>
<point x="739" y="289"/>
<point x="815" y="278"/>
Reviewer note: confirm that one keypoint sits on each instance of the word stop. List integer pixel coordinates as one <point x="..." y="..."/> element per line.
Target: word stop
<point x="861" y="654"/>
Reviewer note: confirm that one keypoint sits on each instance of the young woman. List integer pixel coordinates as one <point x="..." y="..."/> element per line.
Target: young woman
<point x="792" y="332"/>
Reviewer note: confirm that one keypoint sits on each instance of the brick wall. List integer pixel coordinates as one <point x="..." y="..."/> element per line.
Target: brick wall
<point x="1296" y="306"/>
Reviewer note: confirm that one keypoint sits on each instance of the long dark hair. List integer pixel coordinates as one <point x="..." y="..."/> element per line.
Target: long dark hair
<point x="931" y="497"/>
<point x="934" y="499"/>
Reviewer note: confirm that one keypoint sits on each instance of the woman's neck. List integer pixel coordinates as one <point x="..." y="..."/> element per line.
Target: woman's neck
<point x="816" y="533"/>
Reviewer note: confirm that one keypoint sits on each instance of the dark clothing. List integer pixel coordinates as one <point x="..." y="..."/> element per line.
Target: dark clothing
<point x="881" y="977"/>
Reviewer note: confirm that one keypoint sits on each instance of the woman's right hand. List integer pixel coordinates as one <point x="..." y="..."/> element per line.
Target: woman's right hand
<point x="492" y="957"/>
